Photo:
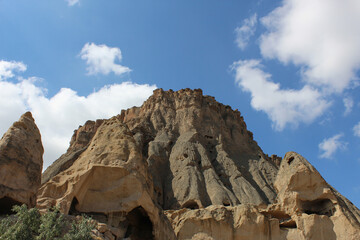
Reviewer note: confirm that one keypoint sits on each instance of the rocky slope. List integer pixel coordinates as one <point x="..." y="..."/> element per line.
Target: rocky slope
<point x="185" y="166"/>
<point x="21" y="163"/>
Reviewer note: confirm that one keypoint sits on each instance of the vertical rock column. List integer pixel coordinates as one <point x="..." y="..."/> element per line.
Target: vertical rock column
<point x="21" y="161"/>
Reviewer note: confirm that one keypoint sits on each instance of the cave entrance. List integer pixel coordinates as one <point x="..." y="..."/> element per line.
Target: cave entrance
<point x="6" y="205"/>
<point x="73" y="205"/>
<point x="320" y="207"/>
<point x="191" y="205"/>
<point x="140" y="227"/>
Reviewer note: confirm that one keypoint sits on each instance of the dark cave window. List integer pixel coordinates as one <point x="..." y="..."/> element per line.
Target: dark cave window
<point x="191" y="205"/>
<point x="73" y="210"/>
<point x="290" y="160"/>
<point x="140" y="226"/>
<point x="6" y="204"/>
<point x="319" y="207"/>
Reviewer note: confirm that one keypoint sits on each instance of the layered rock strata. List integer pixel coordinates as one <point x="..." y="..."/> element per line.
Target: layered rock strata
<point x="21" y="161"/>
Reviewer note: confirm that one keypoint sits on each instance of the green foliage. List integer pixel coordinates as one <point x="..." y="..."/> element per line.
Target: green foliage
<point x="25" y="225"/>
<point x="29" y="224"/>
<point x="52" y="225"/>
<point x="81" y="230"/>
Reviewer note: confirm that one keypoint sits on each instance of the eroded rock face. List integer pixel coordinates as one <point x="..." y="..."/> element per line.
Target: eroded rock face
<point x="191" y="157"/>
<point x="199" y="152"/>
<point x="21" y="161"/>
<point x="78" y="144"/>
<point x="110" y="182"/>
<point x="306" y="208"/>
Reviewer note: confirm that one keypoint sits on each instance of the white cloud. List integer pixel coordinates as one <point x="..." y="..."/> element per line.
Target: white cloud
<point x="72" y="2"/>
<point x="58" y="116"/>
<point x="356" y="129"/>
<point x="330" y="145"/>
<point x="348" y="103"/>
<point x="101" y="59"/>
<point x="283" y="106"/>
<point x="7" y="68"/>
<point x="244" y="32"/>
<point x="318" y="35"/>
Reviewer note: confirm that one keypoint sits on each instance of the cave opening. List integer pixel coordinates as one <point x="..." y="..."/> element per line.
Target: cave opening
<point x="289" y="161"/>
<point x="319" y="207"/>
<point x="191" y="204"/>
<point x="6" y="205"/>
<point x="140" y="226"/>
<point x="73" y="205"/>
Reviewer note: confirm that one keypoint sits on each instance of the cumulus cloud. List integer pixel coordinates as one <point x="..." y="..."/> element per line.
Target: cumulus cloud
<point x="246" y="30"/>
<point x="58" y="116"/>
<point x="7" y="68"/>
<point x="348" y="103"/>
<point x="319" y="36"/>
<point x="101" y="59"/>
<point x="72" y="2"/>
<point x="356" y="129"/>
<point x="283" y="106"/>
<point x="329" y="146"/>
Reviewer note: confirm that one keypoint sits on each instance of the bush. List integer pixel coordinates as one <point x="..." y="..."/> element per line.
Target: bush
<point x="81" y="230"/>
<point x="29" y="224"/>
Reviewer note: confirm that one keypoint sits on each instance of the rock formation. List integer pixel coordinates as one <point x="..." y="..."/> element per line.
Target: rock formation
<point x="109" y="181"/>
<point x="21" y="163"/>
<point x="306" y="207"/>
<point x="185" y="166"/>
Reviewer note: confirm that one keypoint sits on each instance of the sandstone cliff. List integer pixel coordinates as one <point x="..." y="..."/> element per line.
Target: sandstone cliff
<point x="21" y="163"/>
<point x="185" y="166"/>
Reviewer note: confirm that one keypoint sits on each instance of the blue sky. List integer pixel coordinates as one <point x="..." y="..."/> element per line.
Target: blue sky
<point x="291" y="67"/>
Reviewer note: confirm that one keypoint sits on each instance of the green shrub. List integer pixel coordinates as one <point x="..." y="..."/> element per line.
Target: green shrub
<point x="52" y="225"/>
<point x="81" y="230"/>
<point x="29" y="224"/>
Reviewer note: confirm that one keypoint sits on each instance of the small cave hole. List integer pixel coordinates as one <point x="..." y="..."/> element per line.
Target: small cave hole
<point x="226" y="203"/>
<point x="140" y="226"/>
<point x="6" y="205"/>
<point x="191" y="205"/>
<point x="319" y="207"/>
<point x="185" y="155"/>
<point x="290" y="160"/>
<point x="73" y="205"/>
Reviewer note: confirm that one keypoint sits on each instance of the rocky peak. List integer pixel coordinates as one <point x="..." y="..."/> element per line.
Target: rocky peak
<point x="78" y="144"/>
<point x="21" y="161"/>
<point x="192" y="140"/>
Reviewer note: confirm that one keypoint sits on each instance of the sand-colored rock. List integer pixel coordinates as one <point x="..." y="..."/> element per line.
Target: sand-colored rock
<point x="110" y="182"/>
<point x="306" y="208"/>
<point x="193" y="158"/>
<point x="78" y="144"/>
<point x="199" y="151"/>
<point x="21" y="161"/>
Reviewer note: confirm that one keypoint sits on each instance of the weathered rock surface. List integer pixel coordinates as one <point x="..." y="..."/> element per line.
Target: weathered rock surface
<point x="78" y="144"/>
<point x="193" y="157"/>
<point x="21" y="161"/>
<point x="110" y="182"/>
<point x="199" y="152"/>
<point x="306" y="208"/>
